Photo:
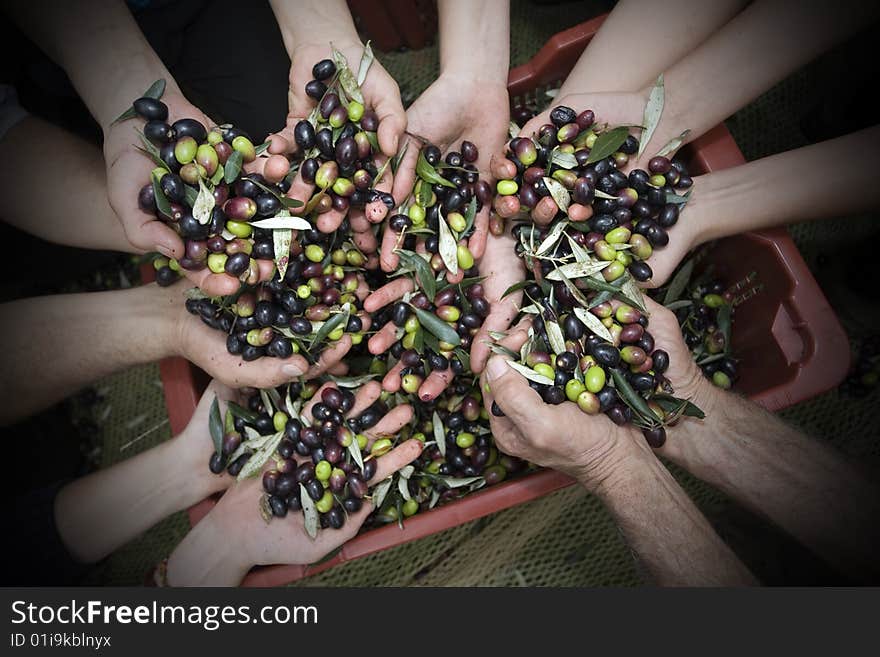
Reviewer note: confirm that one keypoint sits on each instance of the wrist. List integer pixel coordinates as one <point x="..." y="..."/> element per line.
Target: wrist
<point x="207" y="557"/>
<point x="628" y="457"/>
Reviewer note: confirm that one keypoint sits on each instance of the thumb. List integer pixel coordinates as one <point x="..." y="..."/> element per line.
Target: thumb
<point x="513" y="394"/>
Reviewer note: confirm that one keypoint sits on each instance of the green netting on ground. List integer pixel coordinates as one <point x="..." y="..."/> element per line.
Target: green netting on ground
<point x="567" y="538"/>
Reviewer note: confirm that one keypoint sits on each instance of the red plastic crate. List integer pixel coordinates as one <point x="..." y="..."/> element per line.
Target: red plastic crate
<point x="789" y="341"/>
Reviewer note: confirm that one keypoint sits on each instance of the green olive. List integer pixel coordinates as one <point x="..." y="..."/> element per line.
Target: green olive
<point x="381" y="446"/>
<point x="279" y="420"/>
<point x="326" y="502"/>
<point x="572" y="389"/>
<point x="323" y="470"/>
<point x="619" y="235"/>
<point x="545" y="370"/>
<point x="244" y="146"/>
<point x="465" y="439"/>
<point x="507" y="187"/>
<point x="185" y="150"/>
<point x="217" y="262"/>
<point x="410" y="507"/>
<point x="595" y="379"/>
<point x="465" y="257"/>
<point x="456" y="221"/>
<point x="239" y="228"/>
<point x="315" y="253"/>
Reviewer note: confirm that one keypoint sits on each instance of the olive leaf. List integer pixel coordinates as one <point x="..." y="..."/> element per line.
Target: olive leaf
<point x="262" y="148"/>
<point x="381" y="491"/>
<point x="310" y="513"/>
<point x="398" y="158"/>
<point x="229" y="423"/>
<point x="516" y="287"/>
<point x="151" y="150"/>
<point x="631" y="398"/>
<point x="215" y="424"/>
<point x="352" y="381"/>
<point x="255" y="463"/>
<point x="232" y="167"/>
<point x="423" y="193"/>
<point x="530" y="374"/>
<point x="291" y="408"/>
<point x="632" y="294"/>
<point x="672" y="404"/>
<point x="653" y="111"/>
<point x="456" y="482"/>
<point x="190" y="195"/>
<point x="217" y="178"/>
<point x="448" y="247"/>
<point x="204" y="204"/>
<point x="403" y="487"/>
<point x="554" y="335"/>
<point x="559" y="193"/>
<point x="673" y="144"/>
<point x="365" y="63"/>
<point x="281" y="239"/>
<point x="464" y="358"/>
<point x="335" y="321"/>
<point x="470" y="214"/>
<point x="439" y="434"/>
<point x="428" y="173"/>
<point x="156" y="90"/>
<point x="677" y="305"/>
<point x="678" y="200"/>
<point x="679" y="282"/>
<point x="421" y="268"/>
<point x="512" y="129"/>
<point x="562" y="159"/>
<point x="577" y="270"/>
<point x="346" y="78"/>
<point x="580" y="253"/>
<point x="608" y="143"/>
<point x="594" y="324"/>
<point x="551" y="239"/>
<point x="374" y="140"/>
<point x="354" y="449"/>
<point x="286" y="201"/>
<point x="267" y="402"/>
<point x="575" y="292"/>
<point x="162" y="203"/>
<point x="500" y="349"/>
<point x="498" y="335"/>
<point x="280" y="221"/>
<point x="435" y="497"/>
<point x="437" y="327"/>
<point x="723" y="321"/>
<point x="242" y="413"/>
<point x="600" y="194"/>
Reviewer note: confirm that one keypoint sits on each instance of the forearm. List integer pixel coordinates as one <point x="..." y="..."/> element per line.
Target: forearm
<point x="755" y="50"/>
<point x="311" y="21"/>
<point x="668" y="535"/>
<point x="650" y="36"/>
<point x="73" y="210"/>
<point x="798" y="483"/>
<point x="475" y="39"/>
<point x="57" y="344"/>
<point x="102" y="512"/>
<point x="800" y="185"/>
<point x="110" y="63"/>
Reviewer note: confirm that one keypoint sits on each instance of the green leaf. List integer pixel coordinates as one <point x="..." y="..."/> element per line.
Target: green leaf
<point x="563" y="160"/>
<point x="631" y="293"/>
<point x="217" y="178"/>
<point x="470" y="214"/>
<point x="552" y="238"/>
<point x="281" y="240"/>
<point x="232" y="167"/>
<point x="679" y="282"/>
<point x="262" y="148"/>
<point x="464" y="358"/>
<point x="421" y="268"/>
<point x="352" y="381"/>
<point x="156" y="90"/>
<point x="554" y="335"/>
<point x="191" y="195"/>
<point x="437" y="327"/>
<point x="530" y="374"/>
<point x="608" y="143"/>
<point x="374" y="141"/>
<point x="155" y="160"/>
<point x="426" y="172"/>
<point x="681" y="303"/>
<point x="346" y="78"/>
<point x="516" y="287"/>
<point x="403" y="488"/>
<point x="678" y="200"/>
<point x="423" y="193"/>
<point x="674" y="405"/>
<point x="398" y="158"/>
<point x="631" y="398"/>
<point x="243" y="413"/>
<point x="500" y="349"/>
<point x="215" y="424"/>
<point x="355" y="450"/>
<point x="162" y="203"/>
<point x="653" y="112"/>
<point x="439" y="434"/>
<point x="310" y="513"/>
<point x="448" y="247"/>
<point x="336" y="320"/>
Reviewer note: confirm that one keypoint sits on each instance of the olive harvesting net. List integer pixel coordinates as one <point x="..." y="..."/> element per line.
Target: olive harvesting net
<point x="566" y="538"/>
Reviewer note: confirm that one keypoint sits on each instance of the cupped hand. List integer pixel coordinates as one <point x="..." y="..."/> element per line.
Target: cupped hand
<point x="453" y="109"/>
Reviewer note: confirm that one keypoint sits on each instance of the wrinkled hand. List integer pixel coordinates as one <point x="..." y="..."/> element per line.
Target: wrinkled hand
<point x="381" y="94"/>
<point x="451" y="110"/>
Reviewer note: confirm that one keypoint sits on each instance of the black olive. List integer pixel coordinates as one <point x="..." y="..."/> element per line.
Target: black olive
<point x="150" y="109"/>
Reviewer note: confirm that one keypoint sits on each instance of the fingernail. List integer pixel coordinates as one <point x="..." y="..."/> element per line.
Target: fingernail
<point x="496" y="368"/>
<point x="291" y="370"/>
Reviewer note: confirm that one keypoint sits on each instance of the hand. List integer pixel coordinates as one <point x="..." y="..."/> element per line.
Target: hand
<point x="453" y="109"/>
<point x="128" y="170"/>
<point x="206" y="347"/>
<point x="502" y="268"/>
<point x="381" y="94"/>
<point x="247" y="540"/>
